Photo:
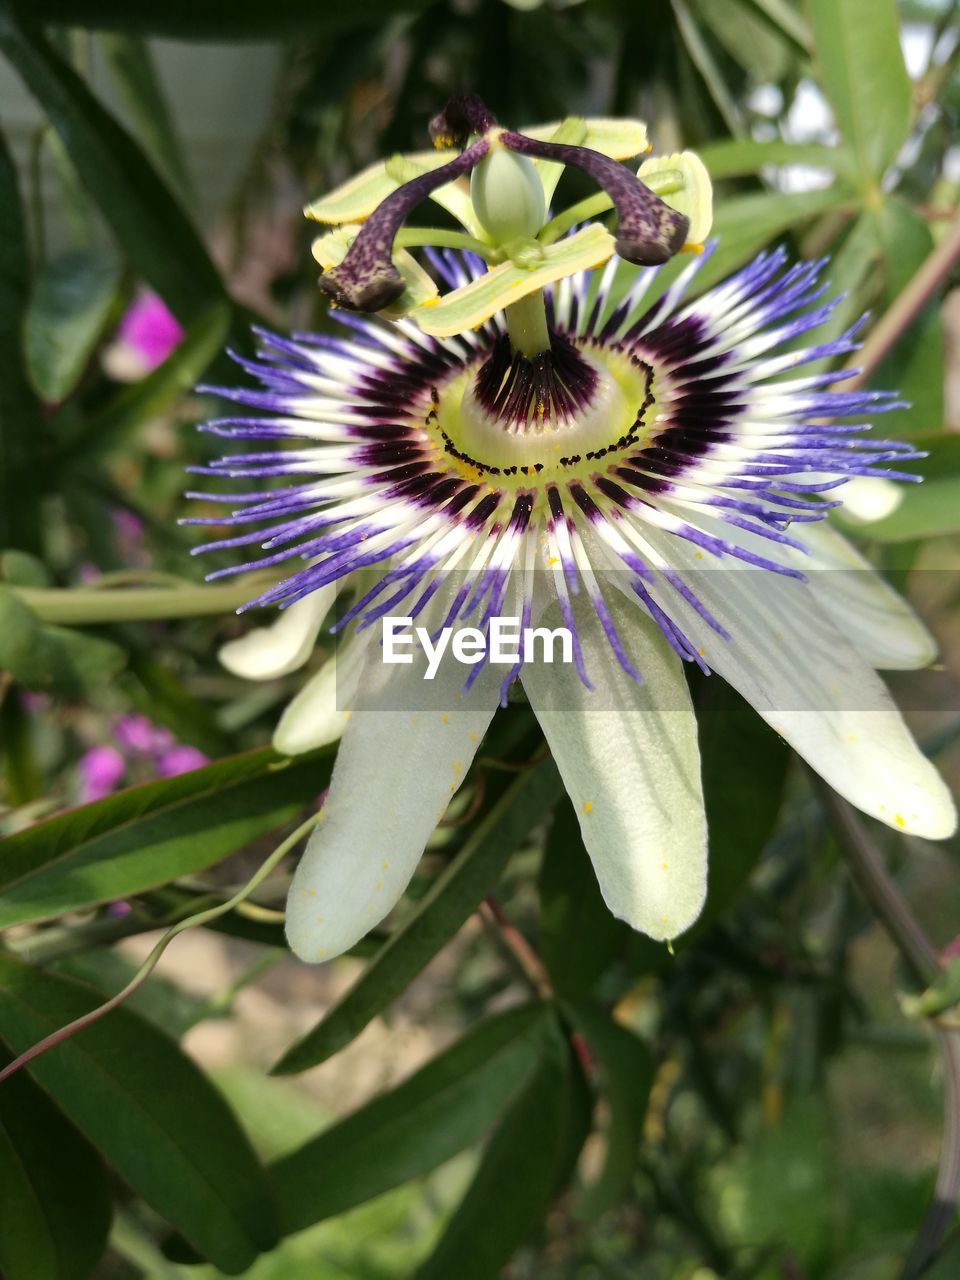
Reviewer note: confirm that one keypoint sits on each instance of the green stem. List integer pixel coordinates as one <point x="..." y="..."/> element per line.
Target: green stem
<point x="591" y="207"/>
<point x="527" y="325"/>
<point x="192" y="922"/>
<point x="415" y="237"/>
<point x="88" y="606"/>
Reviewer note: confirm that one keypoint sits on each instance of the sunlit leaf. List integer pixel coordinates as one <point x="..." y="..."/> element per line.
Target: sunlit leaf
<point x="125" y="843"/>
<point x="151" y="1112"/>
<point x="860" y="61"/>
<point x="513" y="1186"/>
<point x="446" y="1106"/>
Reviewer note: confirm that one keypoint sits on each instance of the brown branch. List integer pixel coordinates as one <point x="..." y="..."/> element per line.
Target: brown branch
<point x="906" y="307"/>
<point x="882" y="893"/>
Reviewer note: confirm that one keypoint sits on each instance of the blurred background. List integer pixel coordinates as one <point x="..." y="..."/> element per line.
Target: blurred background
<point x="771" y="1112"/>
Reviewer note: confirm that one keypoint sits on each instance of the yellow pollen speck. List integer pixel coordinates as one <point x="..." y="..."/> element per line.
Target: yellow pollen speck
<point x="428" y="302"/>
<point x="851" y="737"/>
<point x="899" y="820"/>
<point x="664" y="866"/>
<point x="588" y="806"/>
<point x="453" y="786"/>
<point x="445" y="719"/>
<point x="698" y="555"/>
<point x="321" y="953"/>
<point x="311" y="893"/>
<point x="472" y="736"/>
<point x="551" y="560"/>
<point x="692" y="246"/>
<point x="457" y="765"/>
<point x="385" y="864"/>
<point x="702" y="652"/>
<point x="378" y="884"/>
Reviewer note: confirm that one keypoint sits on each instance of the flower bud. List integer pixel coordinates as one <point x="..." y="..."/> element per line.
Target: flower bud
<point x="507" y="195"/>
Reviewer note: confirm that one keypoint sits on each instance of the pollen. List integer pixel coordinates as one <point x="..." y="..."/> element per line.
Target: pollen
<point x="588" y="806"/>
<point x="444" y="718"/>
<point x="385" y="864"/>
<point x="899" y="819"/>
<point x="378" y="885"/>
<point x="472" y="736"/>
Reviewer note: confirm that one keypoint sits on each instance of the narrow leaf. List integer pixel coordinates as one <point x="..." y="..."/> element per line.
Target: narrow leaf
<point x="54" y="1208"/>
<point x="160" y="242"/>
<point x="151" y="1112"/>
<point x="70" y="304"/>
<point x="123" y="844"/>
<point x="861" y="67"/>
<point x="138" y="84"/>
<point x="446" y="1106"/>
<point x="579" y="938"/>
<point x="512" y="1188"/>
<point x="436" y="918"/>
<point x="626" y="1070"/>
<point x="20" y="437"/>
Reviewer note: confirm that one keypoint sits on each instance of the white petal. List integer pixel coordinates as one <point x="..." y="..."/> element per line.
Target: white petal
<point x="405" y="752"/>
<point x="787" y="658"/>
<point x="629" y="759"/>
<point x="878" y="621"/>
<point x="869" y="498"/>
<point x="267" y="652"/>
<point x="319" y="713"/>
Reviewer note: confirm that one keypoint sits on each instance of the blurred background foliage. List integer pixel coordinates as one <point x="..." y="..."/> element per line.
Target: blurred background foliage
<point x="510" y="1078"/>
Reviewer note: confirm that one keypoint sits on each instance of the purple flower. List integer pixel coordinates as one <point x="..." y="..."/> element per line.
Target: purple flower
<point x="179" y="759"/>
<point x="149" y="329"/>
<point x="100" y="769"/>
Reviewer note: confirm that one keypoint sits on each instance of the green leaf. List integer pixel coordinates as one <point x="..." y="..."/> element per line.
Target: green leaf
<point x="862" y="71"/>
<point x="745" y="766"/>
<point x="115" y="423"/>
<point x="125" y="843"/>
<point x="52" y="659"/>
<point x="446" y="1106"/>
<point x="454" y="895"/>
<point x="783" y="15"/>
<point x="512" y="1188"/>
<point x="222" y="20"/>
<point x="55" y="1210"/>
<point x="151" y="1112"/>
<point x="70" y="304"/>
<point x="138" y="85"/>
<point x="571" y="906"/>
<point x="626" y="1070"/>
<point x="744" y="224"/>
<point x="20" y="426"/>
<point x="160" y="242"/>
<point x="738" y="157"/>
